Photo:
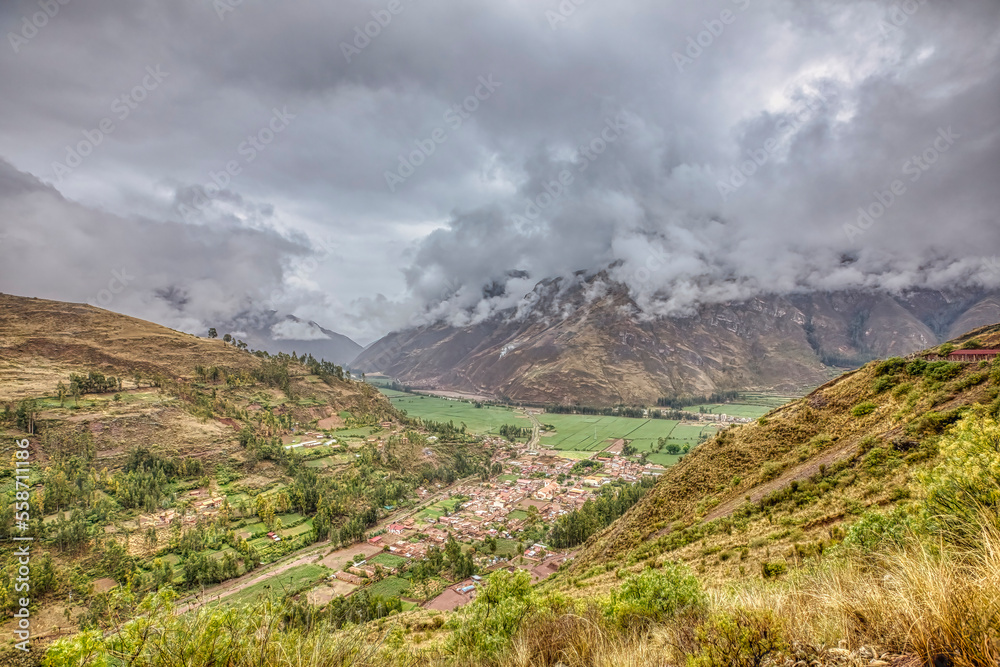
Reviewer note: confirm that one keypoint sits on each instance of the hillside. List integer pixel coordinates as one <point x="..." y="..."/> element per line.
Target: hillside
<point x="160" y="458"/>
<point x="783" y="488"/>
<point x="854" y="527"/>
<point x="585" y="341"/>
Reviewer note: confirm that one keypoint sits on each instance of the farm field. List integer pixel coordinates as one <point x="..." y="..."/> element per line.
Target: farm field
<point x="592" y="433"/>
<point x="390" y="587"/>
<point x="294" y="579"/>
<point x="484" y="420"/>
<point x="752" y="405"/>
<point x="577" y="435"/>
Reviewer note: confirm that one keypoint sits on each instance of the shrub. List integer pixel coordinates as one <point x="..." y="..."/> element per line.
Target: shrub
<point x="890" y="366"/>
<point x="884" y="383"/>
<point x="876" y="531"/>
<point x="971" y="381"/>
<point x="965" y="486"/>
<point x="771" y="469"/>
<point x="942" y="370"/>
<point x="496" y="614"/>
<point x="933" y="423"/>
<point x="772" y="570"/>
<point x="945" y="350"/>
<point x="862" y="409"/>
<point x="655" y="596"/>
<point x="902" y="390"/>
<point x="739" y="638"/>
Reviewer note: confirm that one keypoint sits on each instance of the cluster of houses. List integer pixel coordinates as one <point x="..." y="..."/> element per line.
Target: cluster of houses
<point x="199" y="504"/>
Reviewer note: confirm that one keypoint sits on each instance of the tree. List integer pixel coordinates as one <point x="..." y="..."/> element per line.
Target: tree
<point x="212" y="333"/>
<point x="61" y="391"/>
<point x="228" y="338"/>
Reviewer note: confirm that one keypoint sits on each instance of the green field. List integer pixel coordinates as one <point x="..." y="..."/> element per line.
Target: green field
<point x="482" y="421"/>
<point x="593" y="433"/>
<point x="577" y="435"/>
<point x="387" y="560"/>
<point x="290" y="581"/>
<point x="751" y="404"/>
<point x="390" y="587"/>
<point x="438" y="509"/>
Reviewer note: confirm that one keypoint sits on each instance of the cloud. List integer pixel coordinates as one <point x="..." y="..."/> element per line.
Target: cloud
<point x="297" y="330"/>
<point x="740" y="173"/>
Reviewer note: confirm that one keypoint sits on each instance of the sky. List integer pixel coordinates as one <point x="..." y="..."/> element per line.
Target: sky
<point x="375" y="164"/>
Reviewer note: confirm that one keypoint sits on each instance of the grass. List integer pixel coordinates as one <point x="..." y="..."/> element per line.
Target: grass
<point x="291" y="581"/>
<point x="387" y="560"/>
<point x="482" y="421"/>
<point x="390" y="587"/>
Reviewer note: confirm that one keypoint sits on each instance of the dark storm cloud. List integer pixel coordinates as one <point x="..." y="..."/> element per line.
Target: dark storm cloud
<point x="616" y="131"/>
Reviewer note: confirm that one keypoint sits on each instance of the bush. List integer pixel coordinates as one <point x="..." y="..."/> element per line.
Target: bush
<point x="965" y="487"/>
<point x="655" y="596"/>
<point x="773" y="570"/>
<point x="942" y="370"/>
<point x="876" y="531"/>
<point x="862" y="409"/>
<point x="971" y="381"/>
<point x="902" y="390"/>
<point x="890" y="366"/>
<point x="492" y="619"/>
<point x="884" y="384"/>
<point x="933" y="423"/>
<point x="739" y="638"/>
<point x="771" y="469"/>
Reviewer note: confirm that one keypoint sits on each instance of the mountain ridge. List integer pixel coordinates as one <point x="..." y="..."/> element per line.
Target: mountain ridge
<point x="586" y="341"/>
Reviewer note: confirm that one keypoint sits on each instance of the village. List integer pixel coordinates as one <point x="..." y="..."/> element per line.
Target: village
<point x="535" y="488"/>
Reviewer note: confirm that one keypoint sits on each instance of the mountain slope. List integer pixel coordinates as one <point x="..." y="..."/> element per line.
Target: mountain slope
<point x="584" y="341"/>
<point x="778" y="488"/>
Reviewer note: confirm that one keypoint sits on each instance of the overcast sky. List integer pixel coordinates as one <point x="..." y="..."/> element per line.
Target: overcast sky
<point x="714" y="150"/>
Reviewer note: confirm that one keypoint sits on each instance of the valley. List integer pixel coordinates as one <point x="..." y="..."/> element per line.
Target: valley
<point x="221" y="480"/>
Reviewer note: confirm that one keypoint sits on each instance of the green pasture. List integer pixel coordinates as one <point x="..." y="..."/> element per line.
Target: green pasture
<point x="484" y="420"/>
<point x="390" y="587"/>
<point x="290" y="581"/>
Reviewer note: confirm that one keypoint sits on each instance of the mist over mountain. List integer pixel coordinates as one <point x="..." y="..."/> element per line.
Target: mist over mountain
<point x="586" y="340"/>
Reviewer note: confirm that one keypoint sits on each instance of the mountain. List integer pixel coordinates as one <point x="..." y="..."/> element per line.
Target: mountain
<point x="857" y="443"/>
<point x="585" y="341"/>
<point x="276" y="333"/>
